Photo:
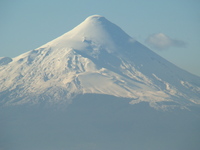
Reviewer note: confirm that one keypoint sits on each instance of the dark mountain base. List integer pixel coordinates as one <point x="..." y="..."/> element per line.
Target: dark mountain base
<point x="99" y="122"/>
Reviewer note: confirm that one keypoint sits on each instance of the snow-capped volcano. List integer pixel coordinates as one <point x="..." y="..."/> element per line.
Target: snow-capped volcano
<point x="95" y="57"/>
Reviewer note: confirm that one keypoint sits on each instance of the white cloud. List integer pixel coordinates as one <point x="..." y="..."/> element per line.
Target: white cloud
<point x="161" y="41"/>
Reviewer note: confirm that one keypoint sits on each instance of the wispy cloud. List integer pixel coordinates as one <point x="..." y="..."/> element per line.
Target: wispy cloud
<point x="161" y="41"/>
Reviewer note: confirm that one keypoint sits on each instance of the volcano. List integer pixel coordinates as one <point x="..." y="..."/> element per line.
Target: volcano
<point x="96" y="88"/>
<point x="96" y="57"/>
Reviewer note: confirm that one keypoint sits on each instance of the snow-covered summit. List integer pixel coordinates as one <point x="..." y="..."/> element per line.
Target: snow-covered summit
<point x="97" y="18"/>
<point x="94" y="29"/>
<point x="95" y="57"/>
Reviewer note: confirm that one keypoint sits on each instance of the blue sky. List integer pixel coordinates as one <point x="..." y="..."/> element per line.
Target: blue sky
<point x="171" y="28"/>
